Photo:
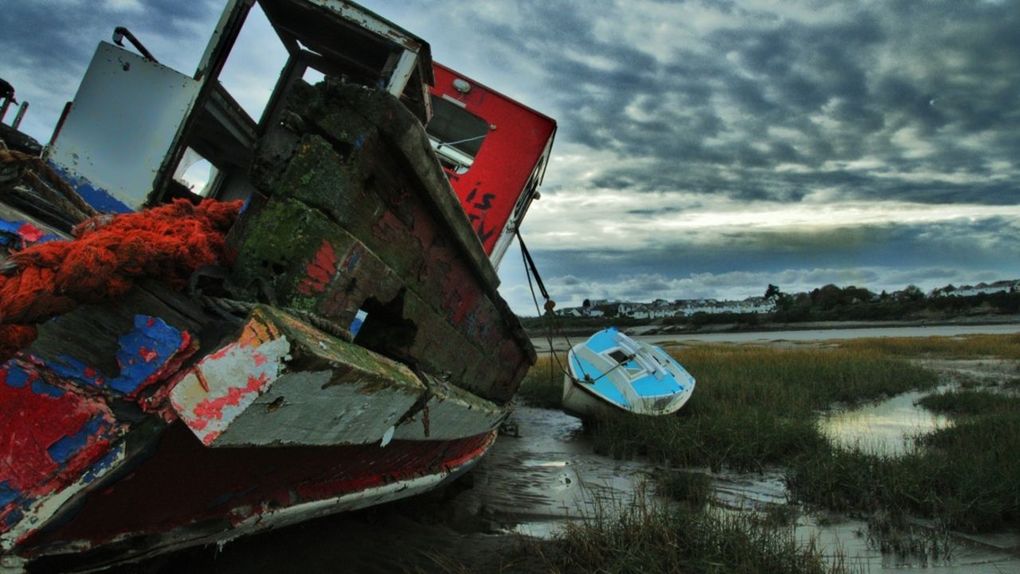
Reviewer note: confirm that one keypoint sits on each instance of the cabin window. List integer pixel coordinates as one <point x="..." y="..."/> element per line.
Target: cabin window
<point x="195" y="173"/>
<point x="456" y="135"/>
<point x="313" y="76"/>
<point x="619" y="356"/>
<point x="253" y="66"/>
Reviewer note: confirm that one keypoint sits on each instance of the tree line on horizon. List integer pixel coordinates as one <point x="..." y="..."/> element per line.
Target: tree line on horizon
<point x="833" y="303"/>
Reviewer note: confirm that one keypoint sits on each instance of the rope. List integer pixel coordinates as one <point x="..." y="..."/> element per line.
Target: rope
<point x="44" y="181"/>
<point x="108" y="255"/>
<point x="529" y="269"/>
<point x="529" y="263"/>
<point x="465" y="140"/>
<point x="605" y="374"/>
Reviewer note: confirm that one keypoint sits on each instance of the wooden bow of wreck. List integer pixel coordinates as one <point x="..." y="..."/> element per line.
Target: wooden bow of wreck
<point x="354" y="350"/>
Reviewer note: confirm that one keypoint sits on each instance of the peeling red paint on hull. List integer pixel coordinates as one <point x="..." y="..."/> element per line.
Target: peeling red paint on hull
<point x="186" y="494"/>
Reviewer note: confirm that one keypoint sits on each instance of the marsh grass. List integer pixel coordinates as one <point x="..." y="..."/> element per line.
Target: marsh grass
<point x="543" y="385"/>
<point x="962" y="347"/>
<point x="636" y="537"/>
<point x="920" y="545"/>
<point x="970" y="402"/>
<point x="644" y="538"/>
<point x="691" y="488"/>
<point x="756" y="406"/>
<point x="966" y="476"/>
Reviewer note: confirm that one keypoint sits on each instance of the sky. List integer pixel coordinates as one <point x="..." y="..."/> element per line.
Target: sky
<point x="706" y="148"/>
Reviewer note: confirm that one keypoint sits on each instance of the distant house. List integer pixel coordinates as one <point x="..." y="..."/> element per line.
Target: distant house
<point x="1007" y="286"/>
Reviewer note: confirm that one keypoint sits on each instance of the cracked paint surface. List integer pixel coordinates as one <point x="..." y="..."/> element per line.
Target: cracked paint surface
<point x="58" y="426"/>
<point x="150" y="352"/>
<point x="17" y="235"/>
<point x="225" y="383"/>
<point x="52" y="435"/>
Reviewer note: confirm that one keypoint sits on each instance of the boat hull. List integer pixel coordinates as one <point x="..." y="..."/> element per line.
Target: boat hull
<point x="611" y="373"/>
<point x="185" y="494"/>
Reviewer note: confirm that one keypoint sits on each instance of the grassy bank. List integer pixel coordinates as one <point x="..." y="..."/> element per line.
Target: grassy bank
<point x="543" y="385"/>
<point x="968" y="347"/>
<point x="966" y="476"/>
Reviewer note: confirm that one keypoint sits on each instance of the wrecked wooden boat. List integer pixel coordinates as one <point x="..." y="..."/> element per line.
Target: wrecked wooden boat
<point x="348" y="346"/>
<point x="612" y="373"/>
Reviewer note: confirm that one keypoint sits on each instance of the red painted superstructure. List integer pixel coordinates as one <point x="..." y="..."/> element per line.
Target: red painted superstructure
<point x="497" y="188"/>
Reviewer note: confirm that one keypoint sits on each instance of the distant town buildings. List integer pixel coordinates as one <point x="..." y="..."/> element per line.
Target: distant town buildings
<point x="1007" y="286"/>
<point x="823" y="299"/>
<point x="660" y="308"/>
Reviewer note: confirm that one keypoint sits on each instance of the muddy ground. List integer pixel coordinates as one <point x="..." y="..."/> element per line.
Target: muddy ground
<point x="500" y="516"/>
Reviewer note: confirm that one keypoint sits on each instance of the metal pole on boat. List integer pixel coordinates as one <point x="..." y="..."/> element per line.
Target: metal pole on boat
<point x="21" y="114"/>
<point x="120" y="33"/>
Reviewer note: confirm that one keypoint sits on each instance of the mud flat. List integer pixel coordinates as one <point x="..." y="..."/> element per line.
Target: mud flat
<point x="551" y="491"/>
<point x="532" y="486"/>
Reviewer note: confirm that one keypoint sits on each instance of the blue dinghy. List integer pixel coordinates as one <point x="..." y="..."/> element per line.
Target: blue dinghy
<point x="610" y="371"/>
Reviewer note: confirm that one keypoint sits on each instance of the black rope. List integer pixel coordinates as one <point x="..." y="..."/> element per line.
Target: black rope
<point x="531" y="264"/>
<point x="529" y="269"/>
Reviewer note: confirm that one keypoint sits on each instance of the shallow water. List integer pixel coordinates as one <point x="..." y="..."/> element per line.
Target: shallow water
<point x="551" y="472"/>
<point x="886" y="427"/>
<point x="549" y="475"/>
<point x="977" y="555"/>
<point x="808" y="335"/>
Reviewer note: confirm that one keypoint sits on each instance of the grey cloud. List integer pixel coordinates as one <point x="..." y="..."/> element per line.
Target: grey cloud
<point x="954" y="68"/>
<point x="47" y="44"/>
<point x="961" y="244"/>
<point x="59" y="34"/>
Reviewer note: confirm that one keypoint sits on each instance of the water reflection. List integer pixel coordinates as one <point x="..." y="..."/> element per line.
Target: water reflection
<point x="887" y="427"/>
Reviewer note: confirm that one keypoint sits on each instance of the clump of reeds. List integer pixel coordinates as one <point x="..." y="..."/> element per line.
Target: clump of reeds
<point x="646" y="538"/>
<point x="691" y="488"/>
<point x="895" y="534"/>
<point x="970" y="402"/>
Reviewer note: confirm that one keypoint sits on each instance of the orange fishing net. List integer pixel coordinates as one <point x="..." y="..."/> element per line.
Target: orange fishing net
<point x="108" y="254"/>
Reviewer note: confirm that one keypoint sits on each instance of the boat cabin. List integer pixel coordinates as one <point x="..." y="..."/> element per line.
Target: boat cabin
<point x="136" y="127"/>
<point x="493" y="149"/>
<point x="131" y="106"/>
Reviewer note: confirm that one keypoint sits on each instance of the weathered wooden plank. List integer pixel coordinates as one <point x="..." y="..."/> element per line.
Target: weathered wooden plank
<point x="282" y="382"/>
<point x="341" y="275"/>
<point x="352" y="117"/>
<point x="122" y="346"/>
<point x="450" y="413"/>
